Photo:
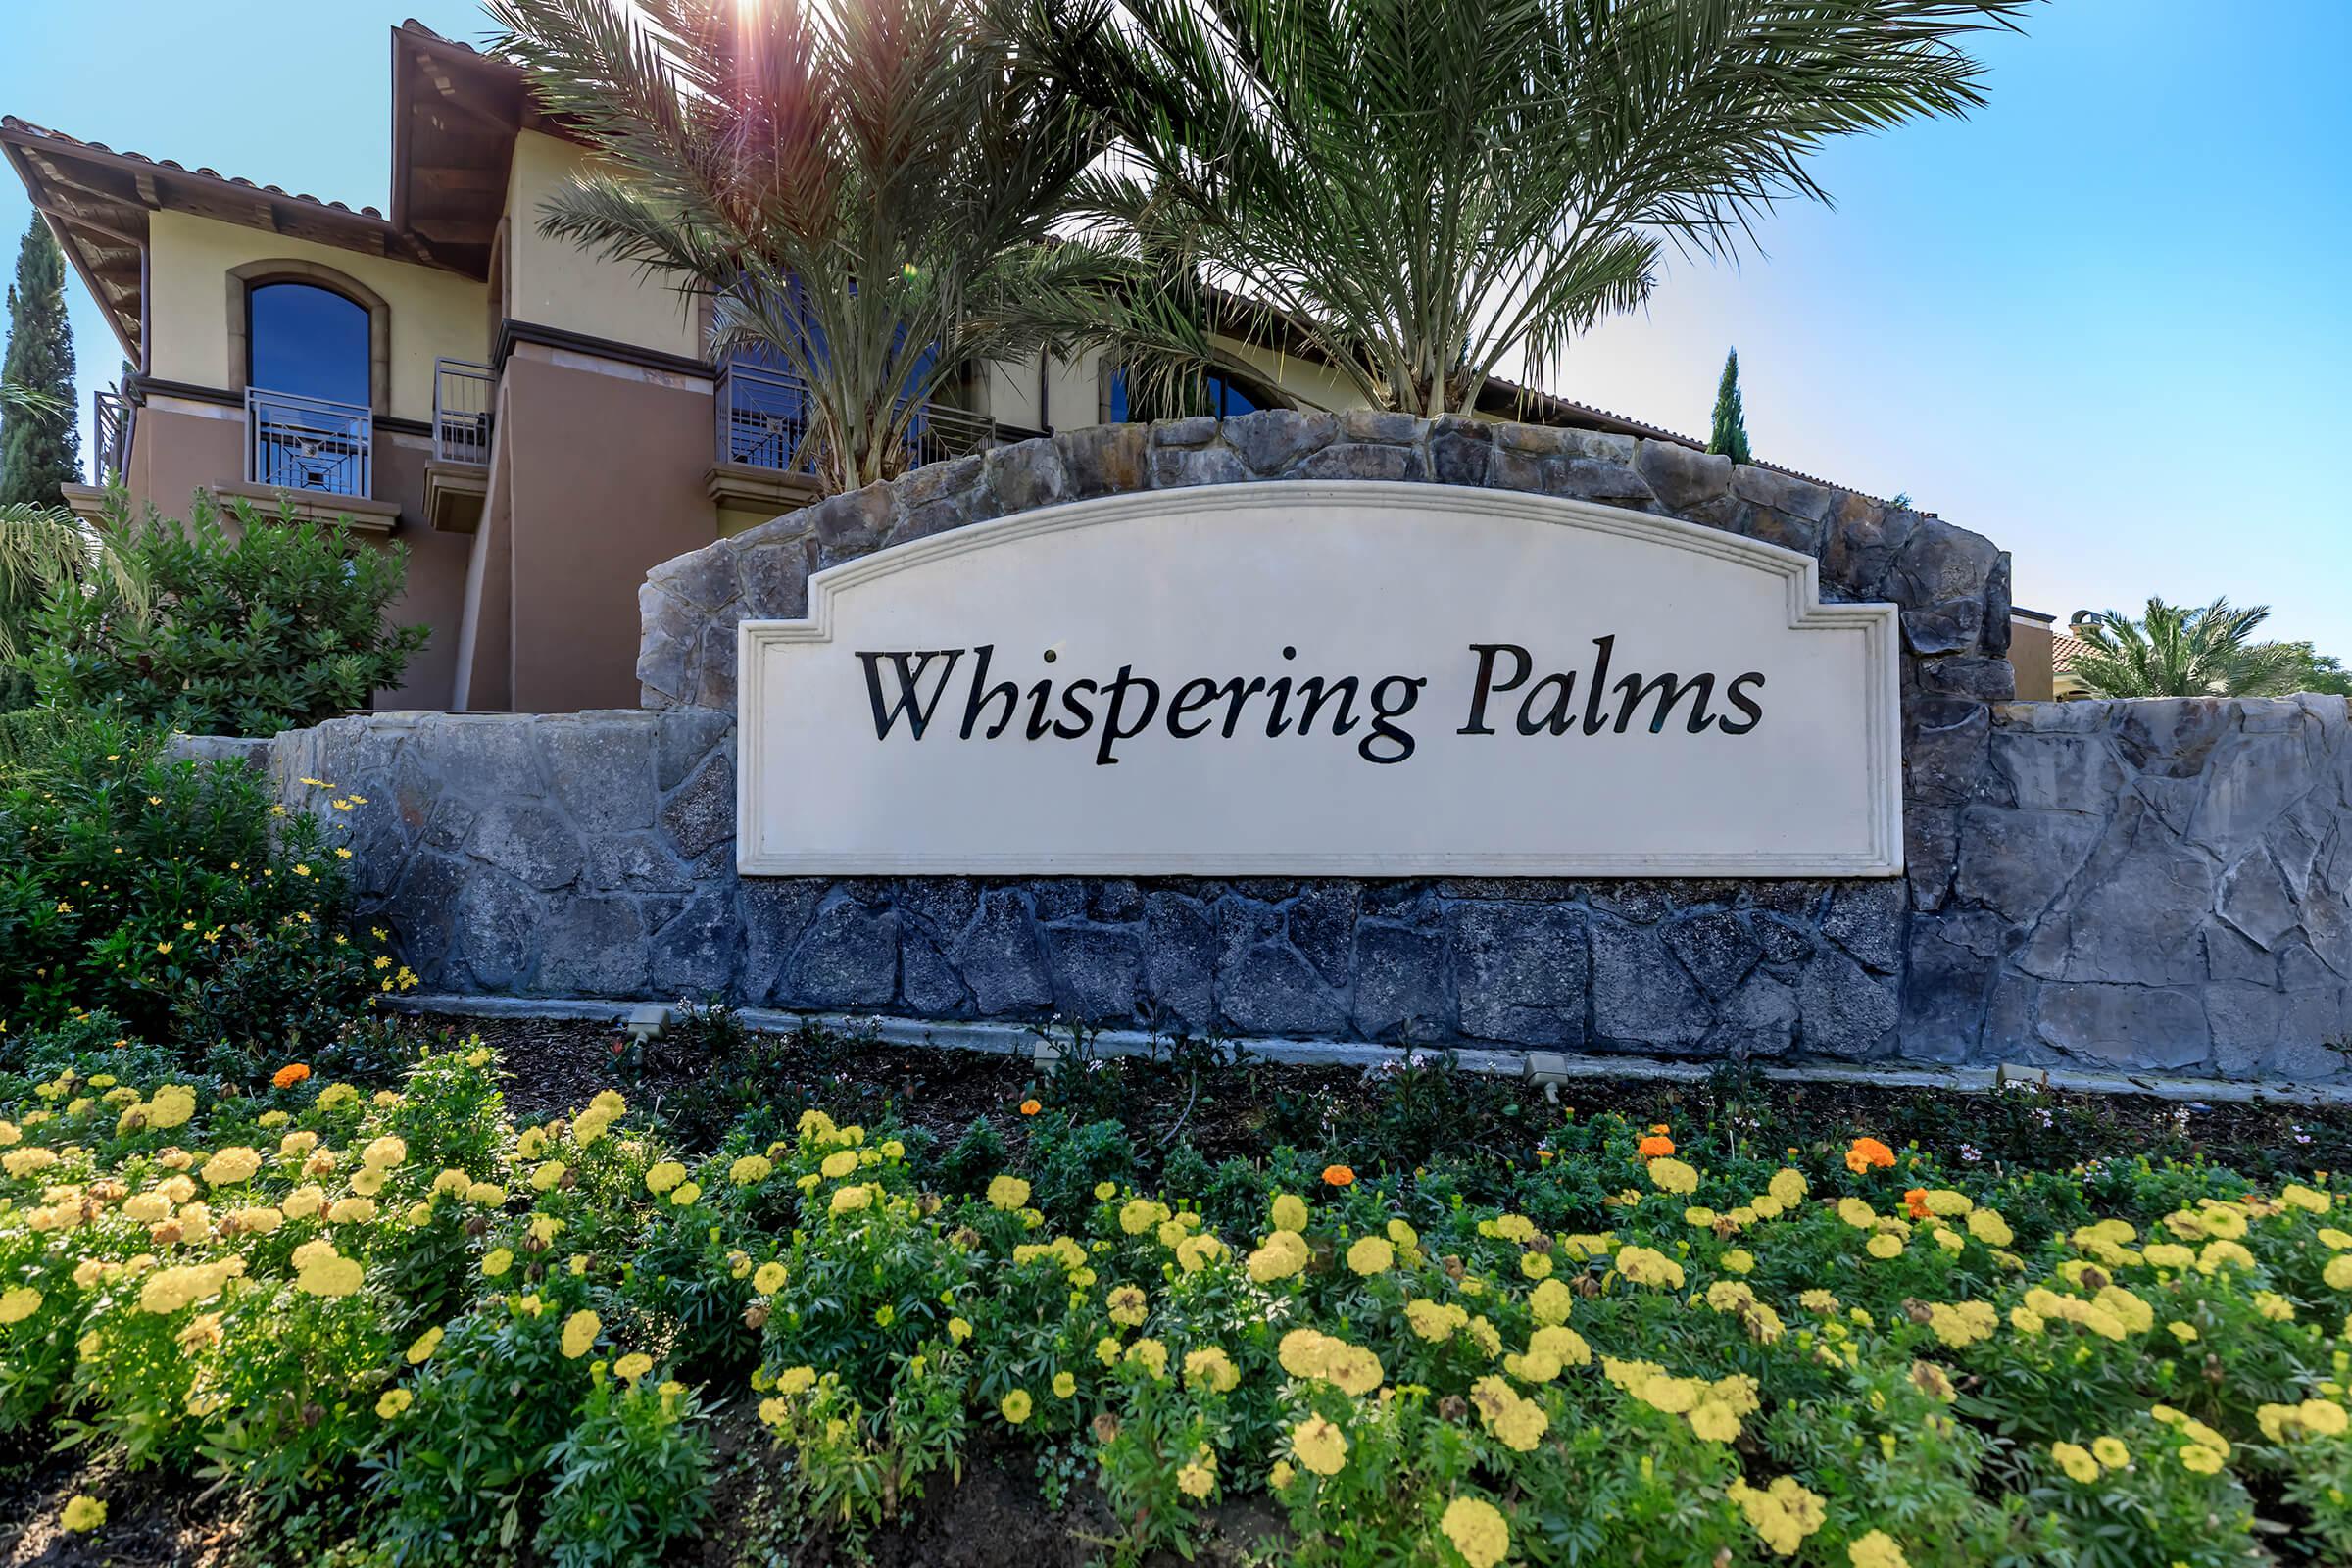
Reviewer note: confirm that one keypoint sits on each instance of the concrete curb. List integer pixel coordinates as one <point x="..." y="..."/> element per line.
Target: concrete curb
<point x="1024" y="1040"/>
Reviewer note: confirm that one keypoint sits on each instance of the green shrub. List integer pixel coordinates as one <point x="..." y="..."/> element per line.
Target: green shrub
<point x="178" y="897"/>
<point x="281" y="627"/>
<point x="630" y="1477"/>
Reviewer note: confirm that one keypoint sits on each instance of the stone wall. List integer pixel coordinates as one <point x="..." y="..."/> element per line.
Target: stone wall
<point x="2153" y="886"/>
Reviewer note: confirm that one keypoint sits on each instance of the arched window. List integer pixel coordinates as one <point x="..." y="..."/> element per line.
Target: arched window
<point x="307" y="341"/>
<point x="310" y="382"/>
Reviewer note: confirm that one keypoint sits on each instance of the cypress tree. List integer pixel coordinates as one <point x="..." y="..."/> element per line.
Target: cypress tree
<point x="38" y="450"/>
<point x="1730" y="417"/>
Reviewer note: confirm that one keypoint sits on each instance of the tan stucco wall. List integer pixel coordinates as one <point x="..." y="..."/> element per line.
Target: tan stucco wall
<point x="553" y="282"/>
<point x="2029" y="657"/>
<point x="434" y="313"/>
<point x="180" y="447"/>
<point x="608" y="467"/>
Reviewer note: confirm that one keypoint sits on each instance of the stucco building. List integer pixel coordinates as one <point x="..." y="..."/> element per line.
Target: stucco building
<point x="536" y="425"/>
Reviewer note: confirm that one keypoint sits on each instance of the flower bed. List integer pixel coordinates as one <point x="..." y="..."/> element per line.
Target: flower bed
<point x="397" y="1326"/>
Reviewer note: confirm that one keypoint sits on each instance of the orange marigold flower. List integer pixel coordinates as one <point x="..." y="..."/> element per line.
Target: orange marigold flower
<point x="1867" y="1153"/>
<point x="292" y="1074"/>
<point x="1916" y="1200"/>
<point x="1338" y="1176"/>
<point x="1030" y="1108"/>
<point x="1657" y="1146"/>
<point x="1660" y="1128"/>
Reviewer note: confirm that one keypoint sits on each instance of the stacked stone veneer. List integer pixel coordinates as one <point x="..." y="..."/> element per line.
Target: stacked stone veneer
<point x="2148" y="885"/>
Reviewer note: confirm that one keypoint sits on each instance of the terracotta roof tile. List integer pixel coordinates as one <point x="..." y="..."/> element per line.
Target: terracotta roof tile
<point x="59" y="139"/>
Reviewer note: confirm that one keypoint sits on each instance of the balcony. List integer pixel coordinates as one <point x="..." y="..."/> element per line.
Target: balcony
<point x="314" y="457"/>
<point x="766" y="453"/>
<point x="457" y="481"/>
<point x="112" y="416"/>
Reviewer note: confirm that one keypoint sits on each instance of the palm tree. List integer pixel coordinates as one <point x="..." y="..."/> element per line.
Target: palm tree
<point x="42" y="548"/>
<point x="2181" y="651"/>
<point x="1423" y="190"/>
<point x="865" y="189"/>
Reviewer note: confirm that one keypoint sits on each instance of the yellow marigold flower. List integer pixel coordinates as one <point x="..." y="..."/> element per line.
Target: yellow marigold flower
<point x="769" y="1279"/>
<point x="499" y="1261"/>
<point x="1855" y="1213"/>
<point x="351" y="1210"/>
<point x="1876" y="1550"/>
<point x="1127" y="1305"/>
<point x="81" y="1513"/>
<point x="385" y="1153"/>
<point x="2170" y="1255"/>
<point x="1550" y="1302"/>
<point x="579" y="1333"/>
<point x="1670" y="1175"/>
<point x="1196" y="1252"/>
<point x="2203" y="1460"/>
<point x="1319" y="1446"/>
<point x="2110" y="1453"/>
<point x="1645" y="1266"/>
<point x="2223" y="1254"/>
<point x="1782" y="1515"/>
<point x="1211" y="1367"/>
<point x="2339" y="1272"/>
<point x="545" y="1175"/>
<point x="1284" y="1254"/>
<point x="632" y="1366"/>
<point x="394" y="1402"/>
<point x="2076" y="1461"/>
<point x="232" y="1165"/>
<point x="958" y="1330"/>
<point x="1290" y="1212"/>
<point x="1007" y="1193"/>
<point x="1884" y="1245"/>
<point x="1196" y="1480"/>
<point x="1714" y="1420"/>
<point x="1522" y="1425"/>
<point x="18" y="1303"/>
<point x="1403" y="1235"/>
<point x="2294" y="1195"/>
<point x="1560" y="1344"/>
<point x="1372" y="1254"/>
<point x="1016" y="1406"/>
<point x="1151" y="1354"/>
<point x="1138" y="1215"/>
<point x="685" y="1194"/>
<point x="751" y="1170"/>
<point x="1477" y="1530"/>
<point x="850" y="1200"/>
<point x="1436" y="1321"/>
<point x="664" y="1176"/>
<point x="330" y="1277"/>
<point x="426" y="1343"/>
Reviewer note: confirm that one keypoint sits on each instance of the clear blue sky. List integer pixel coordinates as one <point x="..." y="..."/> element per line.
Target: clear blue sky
<point x="2107" y="322"/>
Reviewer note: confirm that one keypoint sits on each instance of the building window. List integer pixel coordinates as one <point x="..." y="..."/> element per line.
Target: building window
<point x="308" y="382"/>
<point x="1224" y="398"/>
<point x="307" y="341"/>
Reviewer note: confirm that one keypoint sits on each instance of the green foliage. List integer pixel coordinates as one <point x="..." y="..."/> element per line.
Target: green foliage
<point x="280" y="628"/>
<point x="1728" y="431"/>
<point x="174" y="896"/>
<point x="2209" y="651"/>
<point x="631" y="1476"/>
<point x="40" y="445"/>
<point x="1421" y="193"/>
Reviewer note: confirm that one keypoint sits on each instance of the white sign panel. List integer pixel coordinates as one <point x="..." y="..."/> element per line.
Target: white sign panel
<point x="1343" y="678"/>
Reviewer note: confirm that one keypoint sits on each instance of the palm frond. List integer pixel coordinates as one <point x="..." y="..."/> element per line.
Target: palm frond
<point x="1427" y="191"/>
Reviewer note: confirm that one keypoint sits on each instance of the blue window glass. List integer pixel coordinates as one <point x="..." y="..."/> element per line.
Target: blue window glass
<point x="309" y="341"/>
<point x="1224" y="399"/>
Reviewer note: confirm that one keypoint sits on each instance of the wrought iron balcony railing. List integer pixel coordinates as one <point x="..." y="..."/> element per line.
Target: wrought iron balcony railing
<point x="763" y="423"/>
<point x="110" y="418"/>
<point x="462" y="395"/>
<point x="298" y="443"/>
